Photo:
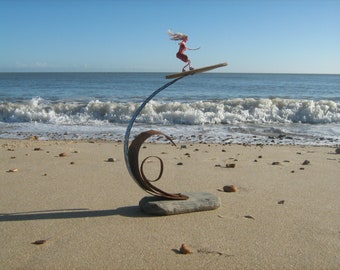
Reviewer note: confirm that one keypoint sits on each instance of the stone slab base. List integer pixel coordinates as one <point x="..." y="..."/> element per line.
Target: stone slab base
<point x="198" y="201"/>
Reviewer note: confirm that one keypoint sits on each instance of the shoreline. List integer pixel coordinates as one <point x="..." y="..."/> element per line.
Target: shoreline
<point x="284" y="214"/>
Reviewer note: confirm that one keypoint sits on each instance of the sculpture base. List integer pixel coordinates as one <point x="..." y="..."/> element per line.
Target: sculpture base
<point x="198" y="201"/>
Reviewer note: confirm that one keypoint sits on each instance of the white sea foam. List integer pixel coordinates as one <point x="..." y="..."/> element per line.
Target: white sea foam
<point x="233" y="111"/>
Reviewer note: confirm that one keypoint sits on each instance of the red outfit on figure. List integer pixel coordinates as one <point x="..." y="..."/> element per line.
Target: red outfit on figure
<point x="182" y="49"/>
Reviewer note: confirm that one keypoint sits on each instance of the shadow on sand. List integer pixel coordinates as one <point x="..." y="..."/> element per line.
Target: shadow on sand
<point x="128" y="211"/>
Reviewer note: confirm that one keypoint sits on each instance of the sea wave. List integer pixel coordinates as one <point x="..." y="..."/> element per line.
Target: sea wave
<point x="231" y="111"/>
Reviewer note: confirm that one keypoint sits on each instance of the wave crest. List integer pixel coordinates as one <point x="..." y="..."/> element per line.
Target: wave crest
<point x="232" y="111"/>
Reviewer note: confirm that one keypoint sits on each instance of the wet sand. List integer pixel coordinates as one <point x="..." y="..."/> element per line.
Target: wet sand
<point x="84" y="204"/>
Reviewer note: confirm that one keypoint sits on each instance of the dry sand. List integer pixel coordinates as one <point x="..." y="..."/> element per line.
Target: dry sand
<point x="283" y="216"/>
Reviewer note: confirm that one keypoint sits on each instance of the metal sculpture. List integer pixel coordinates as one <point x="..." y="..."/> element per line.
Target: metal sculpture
<point x="131" y="153"/>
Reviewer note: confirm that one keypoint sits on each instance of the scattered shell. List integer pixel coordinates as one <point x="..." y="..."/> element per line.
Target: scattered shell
<point x="13" y="170"/>
<point x="184" y="249"/>
<point x="37" y="149"/>
<point x="111" y="160"/>
<point x="276" y="163"/>
<point x="306" y="162"/>
<point x="63" y="154"/>
<point x="230" y="188"/>
<point x="230" y="165"/>
<point x="250" y="217"/>
<point x="180" y="163"/>
<point x="302" y="169"/>
<point x="281" y="202"/>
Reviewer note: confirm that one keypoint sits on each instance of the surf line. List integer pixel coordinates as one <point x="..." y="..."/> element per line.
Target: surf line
<point x="131" y="157"/>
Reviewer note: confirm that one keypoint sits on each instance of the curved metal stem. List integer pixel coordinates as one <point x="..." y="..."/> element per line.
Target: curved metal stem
<point x="129" y="127"/>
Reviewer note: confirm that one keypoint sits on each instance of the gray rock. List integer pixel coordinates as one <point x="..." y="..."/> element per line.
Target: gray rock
<point x="198" y="201"/>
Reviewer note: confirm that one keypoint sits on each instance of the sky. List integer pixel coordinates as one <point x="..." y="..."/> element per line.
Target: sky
<point x="252" y="36"/>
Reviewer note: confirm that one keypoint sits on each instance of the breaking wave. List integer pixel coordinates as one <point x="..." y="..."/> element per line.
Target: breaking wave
<point x="231" y="111"/>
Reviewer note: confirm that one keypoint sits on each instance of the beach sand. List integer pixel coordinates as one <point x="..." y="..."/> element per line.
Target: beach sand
<point x="284" y="215"/>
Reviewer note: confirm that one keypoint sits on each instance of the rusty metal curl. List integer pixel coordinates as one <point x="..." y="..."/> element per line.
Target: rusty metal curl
<point x="160" y="172"/>
<point x="131" y="154"/>
<point x="137" y="170"/>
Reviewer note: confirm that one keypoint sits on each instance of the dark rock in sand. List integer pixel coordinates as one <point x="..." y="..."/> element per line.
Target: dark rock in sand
<point x="306" y="162"/>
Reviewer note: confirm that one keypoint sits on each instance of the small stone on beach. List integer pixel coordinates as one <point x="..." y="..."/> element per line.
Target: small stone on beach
<point x="306" y="162"/>
<point x="230" y="188"/>
<point x="230" y="165"/>
<point x="276" y="163"/>
<point x="13" y="170"/>
<point x="184" y="249"/>
<point x="63" y="154"/>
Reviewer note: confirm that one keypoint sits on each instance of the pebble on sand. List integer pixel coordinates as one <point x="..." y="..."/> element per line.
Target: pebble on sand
<point x="184" y="249"/>
<point x="230" y="188"/>
<point x="230" y="165"/>
<point x="63" y="154"/>
<point x="306" y="162"/>
<point x="13" y="170"/>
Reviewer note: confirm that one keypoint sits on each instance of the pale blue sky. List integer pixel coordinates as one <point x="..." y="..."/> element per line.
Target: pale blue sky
<point x="272" y="36"/>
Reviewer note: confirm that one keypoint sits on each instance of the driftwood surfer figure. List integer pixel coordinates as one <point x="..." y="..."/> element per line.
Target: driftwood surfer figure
<point x="182" y="48"/>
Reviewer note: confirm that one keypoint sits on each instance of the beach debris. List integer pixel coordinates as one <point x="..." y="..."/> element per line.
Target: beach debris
<point x="37" y="149"/>
<point x="111" y="160"/>
<point x="292" y="171"/>
<point x="249" y="217"/>
<point x="183" y="146"/>
<point x="63" y="154"/>
<point x="184" y="249"/>
<point x="13" y="157"/>
<point x="230" y="165"/>
<point x="302" y="169"/>
<point x="306" y="162"/>
<point x="281" y="202"/>
<point x="337" y="151"/>
<point x="72" y="162"/>
<point x="13" y="170"/>
<point x="39" y="242"/>
<point x="10" y="149"/>
<point x="276" y="163"/>
<point x="180" y="163"/>
<point x="259" y="156"/>
<point x="230" y="188"/>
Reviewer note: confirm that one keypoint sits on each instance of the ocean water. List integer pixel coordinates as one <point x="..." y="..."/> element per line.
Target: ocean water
<point x="211" y="107"/>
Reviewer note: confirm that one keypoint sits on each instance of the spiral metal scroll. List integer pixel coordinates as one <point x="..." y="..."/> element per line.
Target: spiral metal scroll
<point x="131" y="154"/>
